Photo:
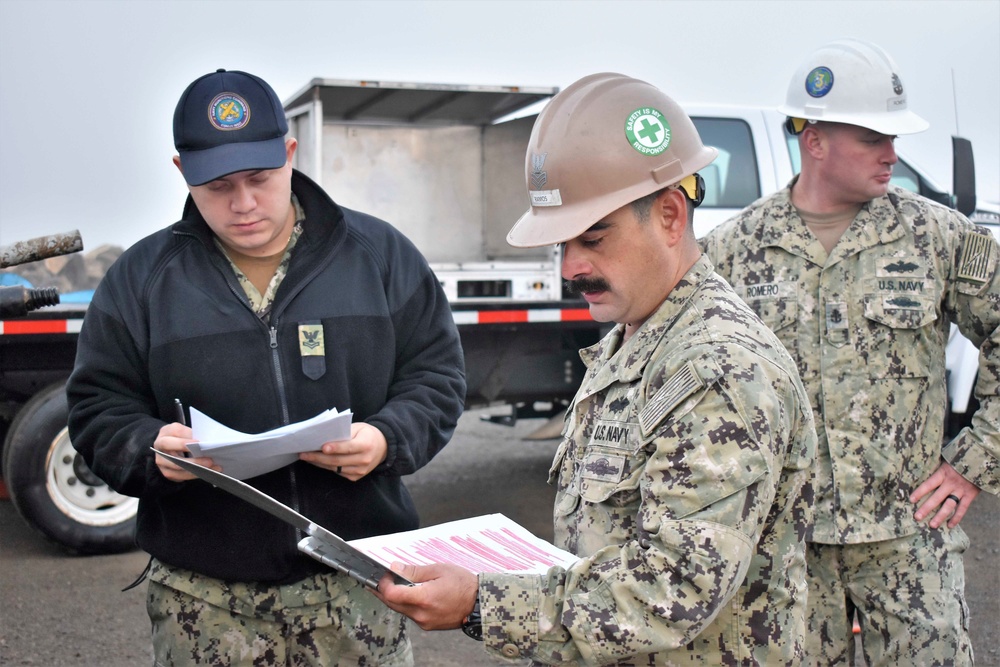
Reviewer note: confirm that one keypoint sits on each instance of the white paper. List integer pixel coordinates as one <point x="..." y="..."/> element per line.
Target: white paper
<point x="489" y="543"/>
<point x="245" y="455"/>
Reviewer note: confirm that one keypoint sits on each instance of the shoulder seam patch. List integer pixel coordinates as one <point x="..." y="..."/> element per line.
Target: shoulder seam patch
<point x="679" y="386"/>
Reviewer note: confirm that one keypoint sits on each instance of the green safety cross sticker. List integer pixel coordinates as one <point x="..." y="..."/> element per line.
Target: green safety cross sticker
<point x="648" y="131"/>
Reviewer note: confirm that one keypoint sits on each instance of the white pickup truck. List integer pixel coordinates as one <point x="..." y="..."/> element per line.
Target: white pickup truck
<point x="517" y="350"/>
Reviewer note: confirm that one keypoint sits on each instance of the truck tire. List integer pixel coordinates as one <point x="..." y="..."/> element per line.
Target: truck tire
<point x="54" y="490"/>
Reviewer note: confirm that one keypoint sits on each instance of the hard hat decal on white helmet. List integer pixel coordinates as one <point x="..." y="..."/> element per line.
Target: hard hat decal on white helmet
<point x="819" y="82"/>
<point x="897" y="85"/>
<point x="600" y="144"/>
<point x="868" y="91"/>
<point x="648" y="131"/>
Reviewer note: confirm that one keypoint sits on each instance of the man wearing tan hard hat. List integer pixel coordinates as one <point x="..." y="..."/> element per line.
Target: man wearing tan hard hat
<point x="683" y="476"/>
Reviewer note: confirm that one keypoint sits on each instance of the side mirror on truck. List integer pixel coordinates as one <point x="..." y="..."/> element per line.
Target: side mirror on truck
<point x="963" y="175"/>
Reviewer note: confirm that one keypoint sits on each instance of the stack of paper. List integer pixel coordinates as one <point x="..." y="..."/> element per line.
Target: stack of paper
<point x="244" y="455"/>
<point x="489" y="543"/>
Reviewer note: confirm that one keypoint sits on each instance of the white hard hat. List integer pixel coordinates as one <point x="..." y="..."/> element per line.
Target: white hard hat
<point x="603" y="142"/>
<point x="855" y="82"/>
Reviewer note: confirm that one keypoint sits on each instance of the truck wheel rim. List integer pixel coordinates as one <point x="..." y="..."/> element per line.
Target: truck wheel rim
<point x="78" y="493"/>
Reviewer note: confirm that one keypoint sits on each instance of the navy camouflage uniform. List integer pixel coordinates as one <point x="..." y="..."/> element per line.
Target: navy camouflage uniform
<point x="868" y="325"/>
<point x="683" y="484"/>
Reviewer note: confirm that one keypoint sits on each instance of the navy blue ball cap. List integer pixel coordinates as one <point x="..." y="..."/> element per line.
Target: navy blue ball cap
<point x="227" y="122"/>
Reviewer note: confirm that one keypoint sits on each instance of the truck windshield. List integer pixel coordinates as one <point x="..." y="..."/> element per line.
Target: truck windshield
<point x="732" y="180"/>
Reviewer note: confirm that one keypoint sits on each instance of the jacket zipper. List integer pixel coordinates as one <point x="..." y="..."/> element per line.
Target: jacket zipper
<point x="272" y="331"/>
<point x="285" y="418"/>
<point x="279" y="378"/>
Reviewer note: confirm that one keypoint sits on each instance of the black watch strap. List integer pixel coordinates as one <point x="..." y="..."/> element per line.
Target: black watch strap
<point x="473" y="624"/>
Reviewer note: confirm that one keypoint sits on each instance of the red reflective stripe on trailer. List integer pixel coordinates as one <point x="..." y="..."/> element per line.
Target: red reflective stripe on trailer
<point x="502" y="316"/>
<point x="33" y="327"/>
<point x="518" y="316"/>
<point x="576" y="315"/>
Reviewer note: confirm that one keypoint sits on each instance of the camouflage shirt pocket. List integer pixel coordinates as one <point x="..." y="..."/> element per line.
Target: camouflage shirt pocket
<point x="559" y="460"/>
<point x="899" y="340"/>
<point x="610" y="476"/>
<point x="900" y="311"/>
<point x="900" y="292"/>
<point x="612" y="463"/>
<point x="776" y="304"/>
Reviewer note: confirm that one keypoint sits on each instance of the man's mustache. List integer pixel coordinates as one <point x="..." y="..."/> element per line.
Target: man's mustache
<point x="581" y="285"/>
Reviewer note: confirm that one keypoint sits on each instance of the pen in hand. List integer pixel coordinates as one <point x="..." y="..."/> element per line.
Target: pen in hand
<point x="179" y="414"/>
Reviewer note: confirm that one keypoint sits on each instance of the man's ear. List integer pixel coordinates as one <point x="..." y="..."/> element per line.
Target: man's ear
<point x="177" y="163"/>
<point x="672" y="207"/>
<point x="812" y="141"/>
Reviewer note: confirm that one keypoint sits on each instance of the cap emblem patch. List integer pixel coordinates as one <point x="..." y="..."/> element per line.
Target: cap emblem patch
<point x="647" y="131"/>
<point x="229" y="111"/>
<point x="819" y="82"/>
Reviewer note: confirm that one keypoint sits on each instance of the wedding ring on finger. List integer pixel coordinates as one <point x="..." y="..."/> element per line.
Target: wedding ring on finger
<point x="955" y="498"/>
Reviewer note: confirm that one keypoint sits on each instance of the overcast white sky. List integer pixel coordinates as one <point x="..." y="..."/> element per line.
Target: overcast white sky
<point x="88" y="88"/>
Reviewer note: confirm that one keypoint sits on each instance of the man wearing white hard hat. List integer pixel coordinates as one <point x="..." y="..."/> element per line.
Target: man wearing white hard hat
<point x="861" y="281"/>
<point x="683" y="475"/>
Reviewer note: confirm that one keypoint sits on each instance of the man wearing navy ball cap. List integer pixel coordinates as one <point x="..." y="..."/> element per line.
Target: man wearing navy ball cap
<point x="266" y="304"/>
<point x="218" y="132"/>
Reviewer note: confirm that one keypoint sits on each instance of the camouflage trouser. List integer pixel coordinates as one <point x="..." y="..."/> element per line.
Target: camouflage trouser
<point x="909" y="595"/>
<point x="328" y="620"/>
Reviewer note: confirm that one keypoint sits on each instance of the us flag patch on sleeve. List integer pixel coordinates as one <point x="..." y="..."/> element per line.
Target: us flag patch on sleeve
<point x="681" y="384"/>
<point x="978" y="260"/>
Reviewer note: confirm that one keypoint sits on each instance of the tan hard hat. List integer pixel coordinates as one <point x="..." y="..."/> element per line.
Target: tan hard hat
<point x="854" y="82"/>
<point x="600" y="144"/>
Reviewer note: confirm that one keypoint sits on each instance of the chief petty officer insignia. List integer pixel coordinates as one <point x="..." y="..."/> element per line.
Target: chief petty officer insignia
<point x="229" y="111"/>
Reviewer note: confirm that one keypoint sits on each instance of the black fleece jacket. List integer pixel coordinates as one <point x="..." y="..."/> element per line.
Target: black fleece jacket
<point x="169" y="320"/>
